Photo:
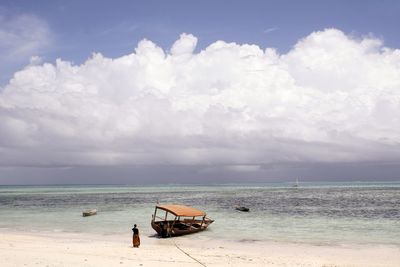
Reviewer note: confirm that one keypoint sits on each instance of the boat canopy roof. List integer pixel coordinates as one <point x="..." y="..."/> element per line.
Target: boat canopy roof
<point x="181" y="210"/>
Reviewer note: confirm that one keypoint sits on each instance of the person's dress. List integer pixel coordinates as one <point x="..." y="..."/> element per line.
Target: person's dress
<point x="135" y="238"/>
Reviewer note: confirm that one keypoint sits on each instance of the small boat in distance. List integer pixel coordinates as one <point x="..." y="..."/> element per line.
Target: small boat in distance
<point x="242" y="208"/>
<point x="89" y="212"/>
<point x="176" y="220"/>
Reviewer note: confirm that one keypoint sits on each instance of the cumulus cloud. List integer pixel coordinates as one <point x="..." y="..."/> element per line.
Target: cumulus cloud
<point x="332" y="98"/>
<point x="185" y="45"/>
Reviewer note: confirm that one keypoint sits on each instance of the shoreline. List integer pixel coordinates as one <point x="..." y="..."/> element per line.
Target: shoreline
<point x="76" y="249"/>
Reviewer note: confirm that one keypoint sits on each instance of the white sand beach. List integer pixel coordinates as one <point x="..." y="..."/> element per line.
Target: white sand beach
<point x="62" y="249"/>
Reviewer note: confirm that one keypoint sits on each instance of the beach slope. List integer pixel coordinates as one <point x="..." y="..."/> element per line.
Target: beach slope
<point x="21" y="249"/>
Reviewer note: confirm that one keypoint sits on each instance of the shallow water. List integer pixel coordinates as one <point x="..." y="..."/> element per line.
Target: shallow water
<point x="333" y="213"/>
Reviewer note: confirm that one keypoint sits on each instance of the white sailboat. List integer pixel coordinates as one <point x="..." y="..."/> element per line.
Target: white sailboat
<point x="297" y="183"/>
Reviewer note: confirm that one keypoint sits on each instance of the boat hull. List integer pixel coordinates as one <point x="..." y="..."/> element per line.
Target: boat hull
<point x="179" y="228"/>
<point x="244" y="209"/>
<point x="89" y="213"/>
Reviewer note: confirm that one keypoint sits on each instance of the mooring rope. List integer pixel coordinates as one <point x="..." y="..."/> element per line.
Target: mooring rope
<point x="187" y="254"/>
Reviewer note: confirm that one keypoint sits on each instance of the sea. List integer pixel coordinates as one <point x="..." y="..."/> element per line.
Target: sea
<point x="315" y="213"/>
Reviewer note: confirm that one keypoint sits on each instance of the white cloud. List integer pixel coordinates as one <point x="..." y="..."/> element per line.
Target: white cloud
<point x="269" y="30"/>
<point x="185" y="45"/>
<point x="35" y="60"/>
<point x="22" y="36"/>
<point x="332" y="98"/>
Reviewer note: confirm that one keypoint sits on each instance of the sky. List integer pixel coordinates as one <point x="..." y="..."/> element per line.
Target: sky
<point x="143" y="92"/>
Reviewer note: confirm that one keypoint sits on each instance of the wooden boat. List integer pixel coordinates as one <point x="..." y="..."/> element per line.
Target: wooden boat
<point x="89" y="212"/>
<point x="241" y="208"/>
<point x="176" y="220"/>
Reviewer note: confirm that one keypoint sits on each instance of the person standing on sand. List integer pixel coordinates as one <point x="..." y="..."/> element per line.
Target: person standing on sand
<point x="135" y="237"/>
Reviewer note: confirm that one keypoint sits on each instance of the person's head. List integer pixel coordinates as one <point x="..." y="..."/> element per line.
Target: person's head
<point x="135" y="225"/>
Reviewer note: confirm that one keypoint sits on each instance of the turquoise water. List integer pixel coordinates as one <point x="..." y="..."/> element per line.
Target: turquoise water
<point x="333" y="213"/>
